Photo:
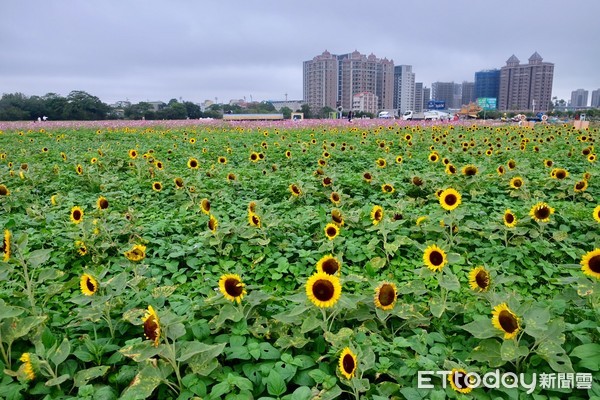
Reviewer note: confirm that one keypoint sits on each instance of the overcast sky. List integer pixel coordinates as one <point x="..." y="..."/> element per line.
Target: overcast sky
<point x="147" y="50"/>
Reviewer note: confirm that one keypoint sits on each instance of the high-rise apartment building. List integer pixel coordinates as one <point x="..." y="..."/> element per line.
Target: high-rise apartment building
<point x="579" y="98"/>
<point x="468" y="93"/>
<point x="418" y="97"/>
<point x="526" y="87"/>
<point x="595" y="98"/>
<point x="404" y="88"/>
<point x="426" y="97"/>
<point x="333" y="80"/>
<point x="444" y="91"/>
<point x="487" y="84"/>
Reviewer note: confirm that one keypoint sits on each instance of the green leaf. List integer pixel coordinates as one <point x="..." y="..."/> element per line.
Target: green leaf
<point x="206" y="351"/>
<point x="61" y="353"/>
<point x="510" y="352"/>
<point x="140" y="351"/>
<point x="38" y="257"/>
<point x="437" y="306"/>
<point x="21" y="328"/>
<point x="378" y="262"/>
<point x="489" y="352"/>
<point x="84" y="376"/>
<point x="589" y="354"/>
<point x="7" y="311"/>
<point x="268" y="352"/>
<point x="301" y="393"/>
<point x="275" y="384"/>
<point x="449" y="281"/>
<point x="143" y="384"/>
<point x="481" y="328"/>
<point x="57" y="381"/>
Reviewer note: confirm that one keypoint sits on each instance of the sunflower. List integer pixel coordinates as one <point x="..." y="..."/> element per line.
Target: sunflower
<point x="548" y="163"/>
<point x="590" y="263"/>
<point x="102" y="203"/>
<point x="151" y="326"/>
<point x="387" y="188"/>
<point x="137" y="253"/>
<point x="178" y="183"/>
<point x="213" y="223"/>
<point x="81" y="247"/>
<point x="159" y="165"/>
<point x="541" y="212"/>
<point x="459" y="381"/>
<point x="381" y="163"/>
<point x="591" y="158"/>
<point x="76" y="214"/>
<point x="559" y="173"/>
<point x="516" y="182"/>
<point x="254" y="156"/>
<point x="580" y="186"/>
<point x="254" y="219"/>
<point x="331" y="231"/>
<point x="323" y="290"/>
<point x="329" y="265"/>
<point x="88" y="285"/>
<point x="335" y="198"/>
<point x="193" y="163"/>
<point x="132" y="154"/>
<point x="500" y="170"/>
<point x="385" y="296"/>
<point x="288" y="154"/>
<point x="347" y="363"/>
<point x="338" y="218"/>
<point x="252" y="207"/>
<point x="367" y="177"/>
<point x="450" y="199"/>
<point x="157" y="186"/>
<point x="6" y="245"/>
<point x="399" y="160"/>
<point x="4" y="191"/>
<point x="27" y="366"/>
<point x="505" y="320"/>
<point x="470" y="170"/>
<point x="205" y="206"/>
<point x="222" y="160"/>
<point x="295" y="190"/>
<point x="450" y="169"/>
<point x="479" y="279"/>
<point x="512" y="164"/>
<point x="376" y="214"/>
<point x="434" y="258"/>
<point x="417" y="181"/>
<point x="596" y="213"/>
<point x="434" y="157"/>
<point x="510" y="220"/>
<point x="327" y="181"/>
<point x="231" y="287"/>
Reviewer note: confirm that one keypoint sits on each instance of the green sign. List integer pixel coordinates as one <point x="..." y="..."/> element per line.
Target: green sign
<point x="487" y="103"/>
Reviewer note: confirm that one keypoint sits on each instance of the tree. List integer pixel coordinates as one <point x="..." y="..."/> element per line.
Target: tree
<point x="83" y="106"/>
<point x="306" y="110"/>
<point x="287" y="112"/>
<point x="13" y="107"/>
<point x="193" y="110"/>
<point x="54" y="105"/>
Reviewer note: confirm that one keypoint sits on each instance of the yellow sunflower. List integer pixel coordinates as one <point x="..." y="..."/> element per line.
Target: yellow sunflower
<point x="6" y="245"/>
<point x="102" y="203"/>
<point x="132" y="154"/>
<point x="367" y="177"/>
<point x="347" y="363"/>
<point x="151" y="326"/>
<point x="541" y="212"/>
<point x="254" y="156"/>
<point x="76" y="214"/>
<point x="157" y="186"/>
<point x="434" y="258"/>
<point x="505" y="320"/>
<point x="596" y="213"/>
<point x="450" y="199"/>
<point x="329" y="265"/>
<point x="4" y="191"/>
<point x="381" y="163"/>
<point x="88" y="285"/>
<point x="252" y="207"/>
<point x="295" y="190"/>
<point x="338" y="218"/>
<point x="376" y="214"/>
<point x="509" y="218"/>
<point x="79" y="169"/>
<point x="213" y="223"/>
<point x="512" y="164"/>
<point x="500" y="170"/>
<point x="28" y="370"/>
<point x="479" y="279"/>
<point x="193" y="163"/>
<point x="232" y="287"/>
<point x="81" y="248"/>
<point x="331" y="231"/>
<point x="385" y="296"/>
<point x="323" y="290"/>
<point x="178" y="183"/>
<point x="580" y="186"/>
<point x="590" y="263"/>
<point x="387" y="188"/>
<point x="205" y="206"/>
<point x="137" y="253"/>
<point x="450" y="169"/>
<point x="516" y="182"/>
<point x="335" y="198"/>
<point x="559" y="173"/>
<point x="222" y="160"/>
<point x="459" y="382"/>
<point x="254" y="220"/>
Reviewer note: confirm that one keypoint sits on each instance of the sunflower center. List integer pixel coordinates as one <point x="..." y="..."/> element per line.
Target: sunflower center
<point x="542" y="212"/>
<point x="295" y="189"/>
<point x="436" y="258"/>
<point x="387" y="295"/>
<point x="151" y="328"/>
<point x="193" y="164"/>
<point x="255" y="220"/>
<point x="417" y="181"/>
<point x="331" y="266"/>
<point x="3" y="190"/>
<point x="560" y="175"/>
<point x="482" y="279"/>
<point x="450" y="199"/>
<point x="507" y="321"/>
<point x="509" y="218"/>
<point x="103" y="204"/>
<point x="348" y="364"/>
<point x="580" y="185"/>
<point x="460" y="380"/>
<point x="517" y="183"/>
<point x="594" y="264"/>
<point x="76" y="215"/>
<point x="377" y="215"/>
<point x="470" y="171"/>
<point x="233" y="287"/>
<point x="323" y="290"/>
<point x="90" y="285"/>
<point x="336" y="217"/>
<point x="335" y="197"/>
<point x="327" y="181"/>
<point x="331" y="231"/>
<point x="367" y="176"/>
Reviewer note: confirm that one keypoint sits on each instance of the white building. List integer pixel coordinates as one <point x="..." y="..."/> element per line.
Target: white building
<point x="365" y="102"/>
<point x="404" y="88"/>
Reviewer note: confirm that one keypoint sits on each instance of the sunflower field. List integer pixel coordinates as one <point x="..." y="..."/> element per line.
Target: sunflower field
<point x="298" y="261"/>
